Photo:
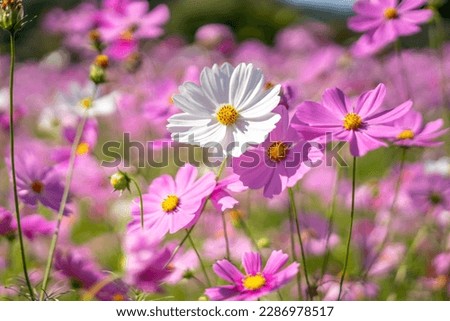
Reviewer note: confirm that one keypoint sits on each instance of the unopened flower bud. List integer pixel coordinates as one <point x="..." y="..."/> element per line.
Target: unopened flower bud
<point x="203" y="298"/>
<point x="97" y="74"/>
<point x="188" y="275"/>
<point x="120" y="181"/>
<point x="96" y="40"/>
<point x="11" y="15"/>
<point x="263" y="243"/>
<point x="102" y="61"/>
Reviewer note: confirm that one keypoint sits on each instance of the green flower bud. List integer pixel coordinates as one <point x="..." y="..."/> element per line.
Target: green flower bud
<point x="97" y="74"/>
<point x="120" y="181"/>
<point x="11" y="15"/>
<point x="188" y="274"/>
<point x="263" y="243"/>
<point x="203" y="298"/>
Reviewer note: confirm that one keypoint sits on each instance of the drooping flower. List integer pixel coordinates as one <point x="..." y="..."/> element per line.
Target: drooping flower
<point x="221" y="198"/>
<point x="384" y="21"/>
<point x="35" y="225"/>
<point x="77" y="265"/>
<point x="146" y="261"/>
<point x="6" y="222"/>
<point x="230" y="108"/>
<point x="412" y="131"/>
<point x="362" y="125"/>
<point x="173" y="204"/>
<point x="279" y="162"/>
<point x="256" y="282"/>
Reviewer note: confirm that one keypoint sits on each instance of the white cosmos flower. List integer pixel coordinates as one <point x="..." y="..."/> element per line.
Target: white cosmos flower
<point x="80" y="100"/>
<point x="231" y="107"/>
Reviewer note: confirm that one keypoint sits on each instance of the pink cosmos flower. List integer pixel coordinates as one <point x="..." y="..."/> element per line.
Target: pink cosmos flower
<point x="35" y="225"/>
<point x="77" y="265"/>
<point x="146" y="261"/>
<point x="256" y="282"/>
<point x="362" y="125"/>
<point x="173" y="204"/>
<point x="128" y="21"/>
<point x="431" y="193"/>
<point x="6" y="222"/>
<point x="38" y="182"/>
<point x="383" y="21"/>
<point x="412" y="131"/>
<point x="221" y="198"/>
<point x="277" y="163"/>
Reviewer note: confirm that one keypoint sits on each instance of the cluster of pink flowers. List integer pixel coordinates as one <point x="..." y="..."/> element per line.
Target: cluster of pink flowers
<point x="273" y="115"/>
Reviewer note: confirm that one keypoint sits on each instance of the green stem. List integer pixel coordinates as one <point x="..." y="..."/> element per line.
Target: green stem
<point x="330" y="223"/>
<point x="294" y="253"/>
<point x="225" y="235"/>
<point x="297" y="226"/>
<point x="199" y="258"/>
<point x="391" y="212"/>
<point x="12" y="41"/>
<point x="62" y="206"/>
<point x="352" y="214"/>
<point x="221" y="168"/>
<point x="249" y="234"/>
<point x="141" y="201"/>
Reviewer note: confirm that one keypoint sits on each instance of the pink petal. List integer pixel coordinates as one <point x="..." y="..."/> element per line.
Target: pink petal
<point x="227" y="271"/>
<point x="417" y="16"/>
<point x="315" y="114"/>
<point x="185" y="177"/>
<point x="369" y="102"/>
<point x="252" y="263"/>
<point x="362" y="23"/>
<point x="390" y="115"/>
<point x="406" y="5"/>
<point x="276" y="260"/>
<point x="361" y="144"/>
<point x="335" y="100"/>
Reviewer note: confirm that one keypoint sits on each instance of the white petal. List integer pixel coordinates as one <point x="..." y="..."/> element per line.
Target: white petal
<point x="216" y="83"/>
<point x="245" y="84"/>
<point x="262" y="104"/>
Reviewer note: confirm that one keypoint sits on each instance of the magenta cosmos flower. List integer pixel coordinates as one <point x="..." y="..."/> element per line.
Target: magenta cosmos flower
<point x="173" y="204"/>
<point x="383" y="21"/>
<point x="256" y="282"/>
<point x="362" y="125"/>
<point x="279" y="162"/>
<point x="412" y="132"/>
<point x="38" y="182"/>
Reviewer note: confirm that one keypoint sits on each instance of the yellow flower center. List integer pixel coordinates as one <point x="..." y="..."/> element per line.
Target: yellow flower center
<point x="102" y="61"/>
<point x="227" y="115"/>
<point x="94" y="35"/>
<point x="406" y="134"/>
<point x="352" y="121"/>
<point x="390" y="13"/>
<point x="83" y="149"/>
<point x="170" y="204"/>
<point x="254" y="282"/>
<point x="277" y="152"/>
<point x="118" y="297"/>
<point x="171" y="101"/>
<point x="86" y="103"/>
<point x="127" y="35"/>
<point x="37" y="187"/>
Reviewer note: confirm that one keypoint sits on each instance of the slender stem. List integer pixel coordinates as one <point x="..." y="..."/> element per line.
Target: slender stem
<point x="174" y="253"/>
<point x="249" y="234"/>
<point x="141" y="201"/>
<point x="225" y="235"/>
<point x="294" y="253"/>
<point x="199" y="258"/>
<point x="330" y="222"/>
<point x="221" y="168"/>
<point x="352" y="214"/>
<point x="62" y="206"/>
<point x="297" y="226"/>
<point x="391" y="212"/>
<point x="401" y="65"/>
<point x="12" y="41"/>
